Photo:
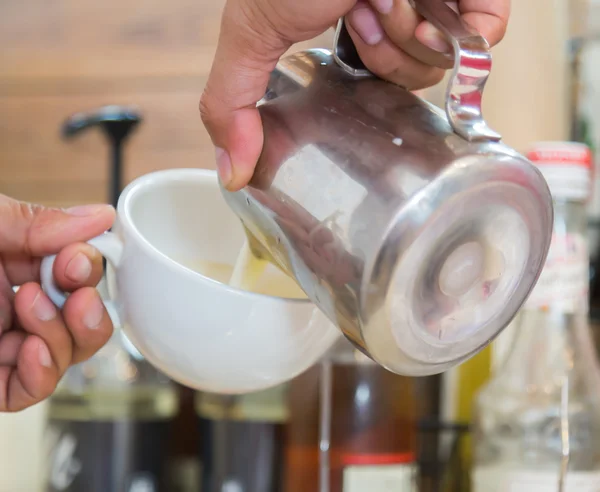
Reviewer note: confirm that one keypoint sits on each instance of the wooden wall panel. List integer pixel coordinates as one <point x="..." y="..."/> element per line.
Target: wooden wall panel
<point x="63" y="56"/>
<point x="59" y="57"/>
<point x="32" y="135"/>
<point x="116" y="38"/>
<point x="171" y="135"/>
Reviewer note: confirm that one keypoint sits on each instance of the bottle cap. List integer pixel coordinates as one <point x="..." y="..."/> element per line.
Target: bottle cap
<point x="566" y="167"/>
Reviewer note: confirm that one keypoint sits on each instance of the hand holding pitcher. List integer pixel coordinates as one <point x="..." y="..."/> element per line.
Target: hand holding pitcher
<point x="392" y="39"/>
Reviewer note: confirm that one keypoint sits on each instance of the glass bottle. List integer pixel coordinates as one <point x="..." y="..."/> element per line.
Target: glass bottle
<point x="242" y="440"/>
<point x="363" y="434"/>
<point x="461" y="384"/>
<point x="108" y="424"/>
<point x="302" y="433"/>
<point x="184" y="438"/>
<point x="537" y="421"/>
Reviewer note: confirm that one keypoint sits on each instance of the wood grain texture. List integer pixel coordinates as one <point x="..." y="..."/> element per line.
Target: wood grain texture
<point x="124" y="38"/>
<point x="60" y="57"/>
<point x="37" y="165"/>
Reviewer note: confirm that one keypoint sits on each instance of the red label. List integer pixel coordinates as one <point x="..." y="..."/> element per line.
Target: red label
<point x="579" y="155"/>
<point x="377" y="459"/>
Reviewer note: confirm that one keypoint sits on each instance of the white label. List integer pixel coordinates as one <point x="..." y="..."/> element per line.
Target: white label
<point x="143" y="482"/>
<point x="563" y="283"/>
<point x="64" y="465"/>
<point x="498" y="480"/>
<point x="380" y="478"/>
<point x="232" y="486"/>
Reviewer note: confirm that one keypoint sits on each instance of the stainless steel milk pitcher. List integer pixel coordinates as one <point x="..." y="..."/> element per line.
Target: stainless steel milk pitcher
<point x="416" y="231"/>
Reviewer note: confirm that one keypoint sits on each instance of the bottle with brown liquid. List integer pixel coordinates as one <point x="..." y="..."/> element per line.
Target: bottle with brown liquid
<point x="182" y="447"/>
<point x="352" y="427"/>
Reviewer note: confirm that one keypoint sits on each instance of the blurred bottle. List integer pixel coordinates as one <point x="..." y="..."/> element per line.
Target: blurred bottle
<point x="302" y="433"/>
<point x="355" y="422"/>
<point x="242" y="440"/>
<point x="461" y="385"/>
<point x="430" y="428"/>
<point x="584" y="49"/>
<point x="184" y="462"/>
<point x="537" y="421"/>
<point x="108" y="424"/>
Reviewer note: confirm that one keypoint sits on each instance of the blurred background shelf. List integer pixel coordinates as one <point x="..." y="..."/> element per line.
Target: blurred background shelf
<point x="62" y="57"/>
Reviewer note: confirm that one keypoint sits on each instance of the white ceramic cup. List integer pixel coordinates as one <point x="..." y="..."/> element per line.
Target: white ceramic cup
<point x="200" y="332"/>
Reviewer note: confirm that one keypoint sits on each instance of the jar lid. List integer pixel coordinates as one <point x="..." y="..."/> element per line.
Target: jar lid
<point x="566" y="167"/>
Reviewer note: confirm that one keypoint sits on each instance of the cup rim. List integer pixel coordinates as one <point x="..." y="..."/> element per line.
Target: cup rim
<point x="162" y="177"/>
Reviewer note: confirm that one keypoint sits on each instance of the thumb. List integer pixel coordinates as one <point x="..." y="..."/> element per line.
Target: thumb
<point x="38" y="231"/>
<point x="247" y="53"/>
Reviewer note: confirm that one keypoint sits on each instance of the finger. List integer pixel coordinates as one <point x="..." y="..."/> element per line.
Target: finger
<point x="389" y="62"/>
<point x="247" y="53"/>
<point x="6" y="304"/>
<point x="432" y="38"/>
<point x="38" y="316"/>
<point x="88" y="323"/>
<point x="32" y="380"/>
<point x="76" y="265"/>
<point x="21" y="268"/>
<point x="10" y="345"/>
<point x="33" y="230"/>
<point x="365" y="23"/>
<point x="490" y="19"/>
<point x="400" y="22"/>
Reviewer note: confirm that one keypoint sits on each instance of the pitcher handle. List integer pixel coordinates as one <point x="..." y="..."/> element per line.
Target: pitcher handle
<point x="472" y="66"/>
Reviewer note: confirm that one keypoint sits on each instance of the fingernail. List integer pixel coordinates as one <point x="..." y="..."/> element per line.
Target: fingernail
<point x="365" y="23"/>
<point x="94" y="314"/>
<point x="434" y="39"/>
<point x="453" y="6"/>
<point x="79" y="268"/>
<point x="87" y="210"/>
<point x="223" y="165"/>
<point x="383" y="6"/>
<point x="43" y="308"/>
<point x="44" y="355"/>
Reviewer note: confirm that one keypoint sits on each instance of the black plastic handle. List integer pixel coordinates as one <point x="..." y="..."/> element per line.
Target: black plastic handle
<point x="117" y="123"/>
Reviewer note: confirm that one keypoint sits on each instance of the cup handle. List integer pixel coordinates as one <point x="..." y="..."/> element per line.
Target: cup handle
<point x="472" y="66"/>
<point x="111" y="247"/>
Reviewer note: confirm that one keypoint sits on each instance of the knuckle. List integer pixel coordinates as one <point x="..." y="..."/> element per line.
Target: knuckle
<point x="400" y="33"/>
<point x="204" y="107"/>
<point x="378" y="65"/>
<point x="24" y="215"/>
<point x="415" y="81"/>
<point x="391" y="63"/>
<point x="211" y="109"/>
<point x="215" y="106"/>
<point x="435" y="76"/>
<point x="262" y="22"/>
<point x="251" y="25"/>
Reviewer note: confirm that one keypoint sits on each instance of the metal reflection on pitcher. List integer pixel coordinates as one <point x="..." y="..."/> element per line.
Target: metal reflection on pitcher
<point x="417" y="232"/>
